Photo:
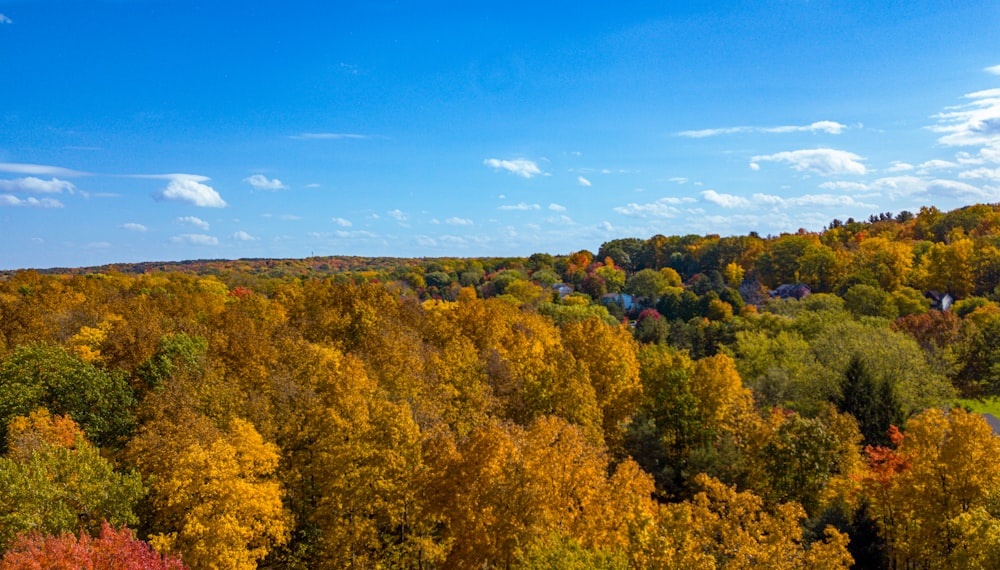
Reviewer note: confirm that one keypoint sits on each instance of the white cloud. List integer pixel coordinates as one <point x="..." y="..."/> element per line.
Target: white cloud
<point x="830" y="127"/>
<point x="195" y="239"/>
<point x="261" y="182"/>
<point x="827" y="200"/>
<point x="134" y="227"/>
<point x="522" y="207"/>
<point x="973" y="124"/>
<point x="811" y="200"/>
<point x="29" y="202"/>
<point x="397" y="215"/>
<point x="583" y="181"/>
<point x="354" y="234"/>
<point x="328" y="136"/>
<point x="725" y="200"/>
<point x="455" y="221"/>
<point x="560" y="220"/>
<point x="845" y="186"/>
<point x="36" y="185"/>
<point x="170" y="176"/>
<point x="189" y="188"/>
<point x="937" y="164"/>
<point x="243" y="236"/>
<point x="825" y="161"/>
<point x="344" y="223"/>
<point x="898" y="166"/>
<point x="606" y="226"/>
<point x="312" y="185"/>
<point x="557" y="207"/>
<point x="520" y="166"/>
<point x="662" y="208"/>
<point x="981" y="174"/>
<point x="5" y="20"/>
<point x="678" y="180"/>
<point x="39" y="169"/>
<point x="902" y="186"/>
<point x="193" y="221"/>
<point x="768" y="199"/>
<point x="754" y="166"/>
<point x="995" y="69"/>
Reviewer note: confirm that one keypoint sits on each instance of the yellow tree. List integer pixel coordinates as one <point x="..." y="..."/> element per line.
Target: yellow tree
<point x="888" y="261"/>
<point x="738" y="531"/>
<point x="214" y="498"/>
<point x="722" y="400"/>
<point x="528" y="368"/>
<point x="506" y="487"/>
<point x="609" y="356"/>
<point x="352" y="464"/>
<point x="935" y="496"/>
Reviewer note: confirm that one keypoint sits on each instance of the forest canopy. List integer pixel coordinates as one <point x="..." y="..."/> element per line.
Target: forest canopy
<point x="788" y="401"/>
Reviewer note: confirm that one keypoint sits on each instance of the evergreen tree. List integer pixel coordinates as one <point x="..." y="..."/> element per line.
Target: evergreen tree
<point x="873" y="402"/>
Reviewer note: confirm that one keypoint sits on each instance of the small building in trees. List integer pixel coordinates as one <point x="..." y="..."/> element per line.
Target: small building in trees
<point x="797" y="291"/>
<point x="563" y="289"/>
<point x="939" y="301"/>
<point x="623" y="300"/>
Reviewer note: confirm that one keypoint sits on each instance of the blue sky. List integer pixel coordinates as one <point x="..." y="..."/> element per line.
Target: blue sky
<point x="151" y="130"/>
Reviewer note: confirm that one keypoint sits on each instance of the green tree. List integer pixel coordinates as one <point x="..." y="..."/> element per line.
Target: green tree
<point x="873" y="403"/>
<point x="51" y="485"/>
<point x="46" y="376"/>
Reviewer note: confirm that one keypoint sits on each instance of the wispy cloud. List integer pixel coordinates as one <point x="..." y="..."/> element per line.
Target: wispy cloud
<point x="665" y="207"/>
<point x="342" y="222"/>
<point x="557" y="207"/>
<point x="899" y="166"/>
<point x="521" y="207"/>
<point x="5" y="20"/>
<point x="981" y="174"/>
<point x="830" y="127"/>
<point x="40" y="170"/>
<point x="329" y="136"/>
<point x="725" y="200"/>
<point x="845" y="186"/>
<point x="195" y="239"/>
<point x="583" y="181"/>
<point x="456" y="221"/>
<point x="37" y="185"/>
<point x="354" y="234"/>
<point x="397" y="215"/>
<point x="261" y="182"/>
<point x="134" y="227"/>
<point x="520" y="166"/>
<point x="243" y="236"/>
<point x="812" y="200"/>
<point x="936" y="164"/>
<point x="188" y="188"/>
<point x="825" y="161"/>
<point x="29" y="202"/>
<point x="974" y="124"/>
<point x="902" y="186"/>
<point x="194" y="221"/>
<point x="995" y="69"/>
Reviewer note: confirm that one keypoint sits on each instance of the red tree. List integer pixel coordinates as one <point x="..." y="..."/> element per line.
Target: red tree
<point x="113" y="550"/>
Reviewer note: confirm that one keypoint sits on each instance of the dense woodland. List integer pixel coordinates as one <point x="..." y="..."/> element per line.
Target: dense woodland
<point x="507" y="413"/>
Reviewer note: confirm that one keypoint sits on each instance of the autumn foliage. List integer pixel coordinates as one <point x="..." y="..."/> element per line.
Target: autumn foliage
<point x="110" y="550"/>
<point x="505" y="413"/>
